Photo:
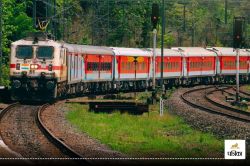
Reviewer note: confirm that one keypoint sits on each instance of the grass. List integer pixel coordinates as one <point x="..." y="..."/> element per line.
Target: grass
<point x="248" y="88"/>
<point x="146" y="135"/>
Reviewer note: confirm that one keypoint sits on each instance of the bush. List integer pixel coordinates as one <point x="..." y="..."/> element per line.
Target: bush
<point x="4" y="79"/>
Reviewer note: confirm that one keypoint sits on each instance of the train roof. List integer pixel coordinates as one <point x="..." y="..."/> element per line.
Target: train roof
<point x="228" y="51"/>
<point x="167" y="52"/>
<point x="194" y="51"/>
<point x="40" y="42"/>
<point x="87" y="49"/>
<point x="121" y="51"/>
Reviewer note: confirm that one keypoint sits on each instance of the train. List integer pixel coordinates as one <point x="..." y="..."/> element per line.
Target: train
<point x="44" y="69"/>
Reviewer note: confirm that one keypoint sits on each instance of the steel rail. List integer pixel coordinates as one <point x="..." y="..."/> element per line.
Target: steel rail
<point x="224" y="106"/>
<point x="56" y="141"/>
<point x="204" y="108"/>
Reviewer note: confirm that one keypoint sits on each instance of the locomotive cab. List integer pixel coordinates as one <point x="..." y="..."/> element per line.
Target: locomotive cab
<point x="33" y="68"/>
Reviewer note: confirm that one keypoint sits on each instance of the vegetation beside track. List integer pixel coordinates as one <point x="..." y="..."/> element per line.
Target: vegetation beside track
<point x="147" y="135"/>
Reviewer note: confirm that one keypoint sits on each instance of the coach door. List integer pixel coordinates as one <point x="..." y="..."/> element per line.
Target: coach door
<point x="105" y="67"/>
<point x="63" y="71"/>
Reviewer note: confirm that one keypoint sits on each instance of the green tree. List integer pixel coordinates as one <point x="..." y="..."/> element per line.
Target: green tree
<point x="16" y="24"/>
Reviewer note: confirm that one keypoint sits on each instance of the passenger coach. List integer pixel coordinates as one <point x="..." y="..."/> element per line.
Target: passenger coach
<point x="199" y="65"/>
<point x="226" y="64"/>
<point x="172" y="66"/>
<point x="133" y="68"/>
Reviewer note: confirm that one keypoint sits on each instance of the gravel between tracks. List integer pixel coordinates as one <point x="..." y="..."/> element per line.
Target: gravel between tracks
<point x="20" y="133"/>
<point x="221" y="126"/>
<point x="54" y="119"/>
<point x="2" y="106"/>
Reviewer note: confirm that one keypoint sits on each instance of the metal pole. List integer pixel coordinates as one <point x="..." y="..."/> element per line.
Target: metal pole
<point x="154" y="55"/>
<point x="34" y="14"/>
<point x="54" y="23"/>
<point x="161" y="106"/>
<point x="237" y="75"/>
<point x="1" y="7"/>
<point x="184" y="16"/>
<point x="46" y="15"/>
<point x="192" y="33"/>
<point x="66" y="28"/>
<point x="63" y="24"/>
<point x="162" y="43"/>
<point x="135" y="61"/>
<point x="135" y="70"/>
<point x="226" y="11"/>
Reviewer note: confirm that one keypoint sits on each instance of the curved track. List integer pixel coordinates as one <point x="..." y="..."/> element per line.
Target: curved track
<point x="242" y="94"/>
<point x="24" y="132"/>
<point x="198" y="98"/>
<point x="56" y="141"/>
<point x="245" y="93"/>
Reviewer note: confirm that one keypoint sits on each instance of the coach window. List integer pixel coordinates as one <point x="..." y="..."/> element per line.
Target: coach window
<point x="226" y="64"/>
<point x="125" y="66"/>
<point x="95" y="66"/>
<point x="103" y="66"/>
<point x="143" y="66"/>
<point x="88" y="66"/>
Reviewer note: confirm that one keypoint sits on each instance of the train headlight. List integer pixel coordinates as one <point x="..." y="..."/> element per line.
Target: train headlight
<point x="50" y="85"/>
<point x="33" y="67"/>
<point x="17" y="84"/>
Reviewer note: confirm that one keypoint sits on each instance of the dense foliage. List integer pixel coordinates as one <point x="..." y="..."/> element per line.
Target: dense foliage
<point x="125" y="22"/>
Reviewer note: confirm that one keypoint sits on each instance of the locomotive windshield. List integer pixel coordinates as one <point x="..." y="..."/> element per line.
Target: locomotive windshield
<point x="24" y="52"/>
<point x="45" y="52"/>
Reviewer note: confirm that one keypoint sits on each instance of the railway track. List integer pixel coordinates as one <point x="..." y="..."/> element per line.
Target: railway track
<point x="23" y="131"/>
<point x="245" y="93"/>
<point x="231" y="91"/>
<point x="198" y="98"/>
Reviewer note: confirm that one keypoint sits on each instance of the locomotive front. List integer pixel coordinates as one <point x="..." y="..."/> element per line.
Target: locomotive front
<point x="33" y="64"/>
